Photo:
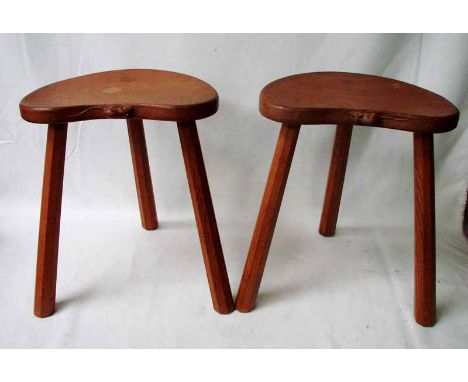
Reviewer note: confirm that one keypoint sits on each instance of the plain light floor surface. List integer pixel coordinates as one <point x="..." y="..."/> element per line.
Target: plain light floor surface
<point x="120" y="286"/>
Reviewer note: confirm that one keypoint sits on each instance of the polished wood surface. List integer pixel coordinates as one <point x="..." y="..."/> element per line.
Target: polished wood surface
<point x="356" y="99"/>
<point x="141" y="169"/>
<point x="49" y="228"/>
<point x="132" y="95"/>
<point x="336" y="177"/>
<point x="205" y="217"/>
<point x="424" y="231"/>
<point x="129" y="93"/>
<point x="348" y="99"/>
<point x="267" y="217"/>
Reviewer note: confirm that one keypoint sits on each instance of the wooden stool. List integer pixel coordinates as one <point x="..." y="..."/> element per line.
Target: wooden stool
<point x="348" y="99"/>
<point x="133" y="95"/>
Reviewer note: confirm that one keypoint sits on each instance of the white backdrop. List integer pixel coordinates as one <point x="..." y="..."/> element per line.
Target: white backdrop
<point x="120" y="286"/>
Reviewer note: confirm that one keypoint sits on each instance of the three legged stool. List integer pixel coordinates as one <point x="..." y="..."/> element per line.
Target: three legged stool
<point x="133" y="95"/>
<point x="347" y="99"/>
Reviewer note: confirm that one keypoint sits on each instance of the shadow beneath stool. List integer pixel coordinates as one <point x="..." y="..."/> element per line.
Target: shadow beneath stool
<point x="176" y="224"/>
<point x="351" y="230"/>
<point x="445" y="308"/>
<point x="285" y="247"/>
<point x="282" y="293"/>
<point x="75" y="299"/>
<point x="360" y="230"/>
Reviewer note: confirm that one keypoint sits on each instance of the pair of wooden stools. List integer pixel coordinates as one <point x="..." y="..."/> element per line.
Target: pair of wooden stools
<point x="342" y="99"/>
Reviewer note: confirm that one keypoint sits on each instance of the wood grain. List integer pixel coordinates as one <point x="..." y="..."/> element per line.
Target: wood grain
<point x="267" y="217"/>
<point x="130" y="93"/>
<point x="205" y="217"/>
<point x="49" y="229"/>
<point x="348" y="99"/>
<point x="339" y="98"/>
<point x="424" y="229"/>
<point x="141" y="169"/>
<point x="336" y="177"/>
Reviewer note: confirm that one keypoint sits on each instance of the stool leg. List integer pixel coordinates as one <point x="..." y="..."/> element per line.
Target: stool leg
<point x="266" y="221"/>
<point x="49" y="229"/>
<point x="336" y="176"/>
<point x="205" y="218"/>
<point x="424" y="228"/>
<point x="141" y="169"/>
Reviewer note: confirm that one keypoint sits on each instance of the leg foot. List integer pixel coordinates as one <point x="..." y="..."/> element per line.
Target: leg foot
<point x="266" y="221"/>
<point x="205" y="218"/>
<point x="49" y="229"/>
<point x="424" y="227"/>
<point x="142" y="173"/>
<point x="336" y="176"/>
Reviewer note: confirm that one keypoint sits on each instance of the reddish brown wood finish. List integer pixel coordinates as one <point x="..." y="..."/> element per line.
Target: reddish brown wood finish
<point x="129" y="93"/>
<point x="336" y="177"/>
<point x="132" y="95"/>
<point x="267" y="217"/>
<point x="356" y="99"/>
<point x="141" y="169"/>
<point x="424" y="230"/>
<point x="348" y="99"/>
<point x="205" y="217"/>
<point x="49" y="229"/>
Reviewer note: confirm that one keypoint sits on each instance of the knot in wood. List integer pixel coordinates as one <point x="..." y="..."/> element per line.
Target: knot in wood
<point x="364" y="118"/>
<point x="117" y="111"/>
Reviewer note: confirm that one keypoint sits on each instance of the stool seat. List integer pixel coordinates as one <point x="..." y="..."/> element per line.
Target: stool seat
<point x="356" y="99"/>
<point x="348" y="99"/>
<point x="130" y="93"/>
<point x="134" y="95"/>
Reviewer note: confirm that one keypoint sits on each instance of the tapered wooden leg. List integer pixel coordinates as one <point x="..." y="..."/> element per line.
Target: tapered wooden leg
<point x="205" y="218"/>
<point x="49" y="229"/>
<point x="267" y="217"/>
<point x="141" y="169"/>
<point x="336" y="176"/>
<point x="424" y="228"/>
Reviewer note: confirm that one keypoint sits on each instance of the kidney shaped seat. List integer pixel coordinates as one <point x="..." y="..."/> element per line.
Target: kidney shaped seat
<point x="131" y="93"/>
<point x="134" y="95"/>
<point x="356" y="99"/>
<point x="345" y="100"/>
